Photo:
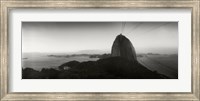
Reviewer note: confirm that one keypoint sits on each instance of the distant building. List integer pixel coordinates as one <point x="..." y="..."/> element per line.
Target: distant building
<point x="123" y="47"/>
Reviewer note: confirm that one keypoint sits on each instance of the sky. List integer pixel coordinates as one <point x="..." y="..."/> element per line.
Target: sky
<point x="98" y="37"/>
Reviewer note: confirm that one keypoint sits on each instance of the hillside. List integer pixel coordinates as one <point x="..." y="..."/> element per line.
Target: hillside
<point x="108" y="68"/>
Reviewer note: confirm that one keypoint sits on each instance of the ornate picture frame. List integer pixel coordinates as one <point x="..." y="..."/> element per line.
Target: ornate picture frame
<point x="7" y="5"/>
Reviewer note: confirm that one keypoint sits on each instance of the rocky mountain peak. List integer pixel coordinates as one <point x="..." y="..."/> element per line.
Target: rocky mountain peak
<point x="123" y="47"/>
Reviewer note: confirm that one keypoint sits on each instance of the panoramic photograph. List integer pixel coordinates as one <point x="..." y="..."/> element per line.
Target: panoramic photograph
<point x="99" y="50"/>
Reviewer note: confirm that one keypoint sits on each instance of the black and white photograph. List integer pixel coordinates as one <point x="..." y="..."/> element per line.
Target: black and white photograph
<point x="99" y="50"/>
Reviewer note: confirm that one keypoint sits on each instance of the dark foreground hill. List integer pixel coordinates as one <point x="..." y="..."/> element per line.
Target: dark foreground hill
<point x="108" y="68"/>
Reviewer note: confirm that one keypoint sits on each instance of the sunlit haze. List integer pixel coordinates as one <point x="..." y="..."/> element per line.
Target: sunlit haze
<point x="98" y="37"/>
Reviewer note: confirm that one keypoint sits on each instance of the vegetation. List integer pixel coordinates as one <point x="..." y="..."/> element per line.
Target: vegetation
<point x="107" y="68"/>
